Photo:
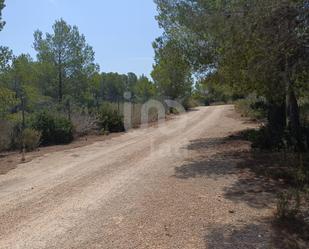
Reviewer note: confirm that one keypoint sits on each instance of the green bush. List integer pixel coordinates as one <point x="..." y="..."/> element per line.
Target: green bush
<point x="288" y="204"/>
<point x="173" y="111"/>
<point x="265" y="139"/>
<point x="31" y="139"/>
<point x="6" y="129"/>
<point x="44" y="123"/>
<point x="63" y="133"/>
<point x="16" y="136"/>
<point x="189" y="103"/>
<point x="252" y="107"/>
<point x="109" y="119"/>
<point x="54" y="130"/>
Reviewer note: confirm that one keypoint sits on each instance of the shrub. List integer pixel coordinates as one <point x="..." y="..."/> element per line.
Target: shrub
<point x="266" y="139"/>
<point x="84" y="122"/>
<point x="6" y="129"/>
<point x="19" y="137"/>
<point x="288" y="204"/>
<point x="252" y="107"/>
<point x="54" y="130"/>
<point x="16" y="136"/>
<point x="63" y="133"/>
<point x="110" y="119"/>
<point x="31" y="139"/>
<point x="173" y="111"/>
<point x="44" y="123"/>
<point x="189" y="103"/>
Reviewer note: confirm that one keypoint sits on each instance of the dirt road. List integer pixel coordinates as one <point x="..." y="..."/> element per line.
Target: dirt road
<point x="149" y="188"/>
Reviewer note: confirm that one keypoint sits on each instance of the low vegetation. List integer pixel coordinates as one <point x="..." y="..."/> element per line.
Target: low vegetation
<point x="31" y="139"/>
<point x="109" y="119"/>
<point x="54" y="129"/>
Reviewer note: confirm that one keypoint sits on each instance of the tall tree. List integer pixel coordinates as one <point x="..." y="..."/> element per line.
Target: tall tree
<point x="143" y="89"/>
<point x="113" y="86"/>
<point x="5" y="53"/>
<point x="6" y="56"/>
<point x="2" y="23"/>
<point x="69" y="55"/>
<point x="131" y="82"/>
<point x="22" y="79"/>
<point x="7" y="97"/>
<point x="257" y="45"/>
<point x="171" y="72"/>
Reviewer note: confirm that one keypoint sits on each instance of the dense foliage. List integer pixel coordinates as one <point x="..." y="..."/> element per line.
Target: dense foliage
<point x="53" y="129"/>
<point x="171" y="73"/>
<point x="258" y="46"/>
<point x="110" y="120"/>
<point x="1" y="7"/>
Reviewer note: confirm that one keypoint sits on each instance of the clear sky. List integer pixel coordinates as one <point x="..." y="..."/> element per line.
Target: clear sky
<point x="120" y="31"/>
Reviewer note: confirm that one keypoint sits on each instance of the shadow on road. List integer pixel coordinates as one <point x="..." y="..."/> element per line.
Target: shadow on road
<point x="230" y="237"/>
<point x="257" y="184"/>
<point x="221" y="157"/>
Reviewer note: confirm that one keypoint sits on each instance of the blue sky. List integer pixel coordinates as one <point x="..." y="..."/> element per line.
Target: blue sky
<point x="120" y="31"/>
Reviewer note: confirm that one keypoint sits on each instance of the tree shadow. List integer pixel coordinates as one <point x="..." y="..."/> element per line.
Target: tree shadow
<point x="261" y="176"/>
<point x="194" y="109"/>
<point x="231" y="237"/>
<point x="255" y="235"/>
<point x="221" y="157"/>
<point x="291" y="233"/>
<point x="207" y="161"/>
<point x="210" y="167"/>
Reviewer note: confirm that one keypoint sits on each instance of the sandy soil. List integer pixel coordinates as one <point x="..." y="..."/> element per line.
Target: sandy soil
<point x="176" y="186"/>
<point x="11" y="159"/>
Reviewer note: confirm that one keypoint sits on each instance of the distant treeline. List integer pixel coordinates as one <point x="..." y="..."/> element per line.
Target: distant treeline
<point x="62" y="91"/>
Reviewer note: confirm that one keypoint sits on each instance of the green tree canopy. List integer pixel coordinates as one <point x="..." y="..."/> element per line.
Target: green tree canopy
<point x="255" y="46"/>
<point x="66" y="57"/>
<point x="2" y="23"/>
<point x="171" y="72"/>
<point x="144" y="89"/>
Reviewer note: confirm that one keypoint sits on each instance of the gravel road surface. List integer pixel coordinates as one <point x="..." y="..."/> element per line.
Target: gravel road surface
<point x="156" y="187"/>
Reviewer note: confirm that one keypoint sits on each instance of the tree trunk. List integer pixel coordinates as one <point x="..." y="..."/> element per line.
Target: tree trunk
<point x="60" y="92"/>
<point x="60" y="83"/>
<point x="277" y="117"/>
<point x="23" y="112"/>
<point x="292" y="110"/>
<point x="69" y="109"/>
<point x="294" y="119"/>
